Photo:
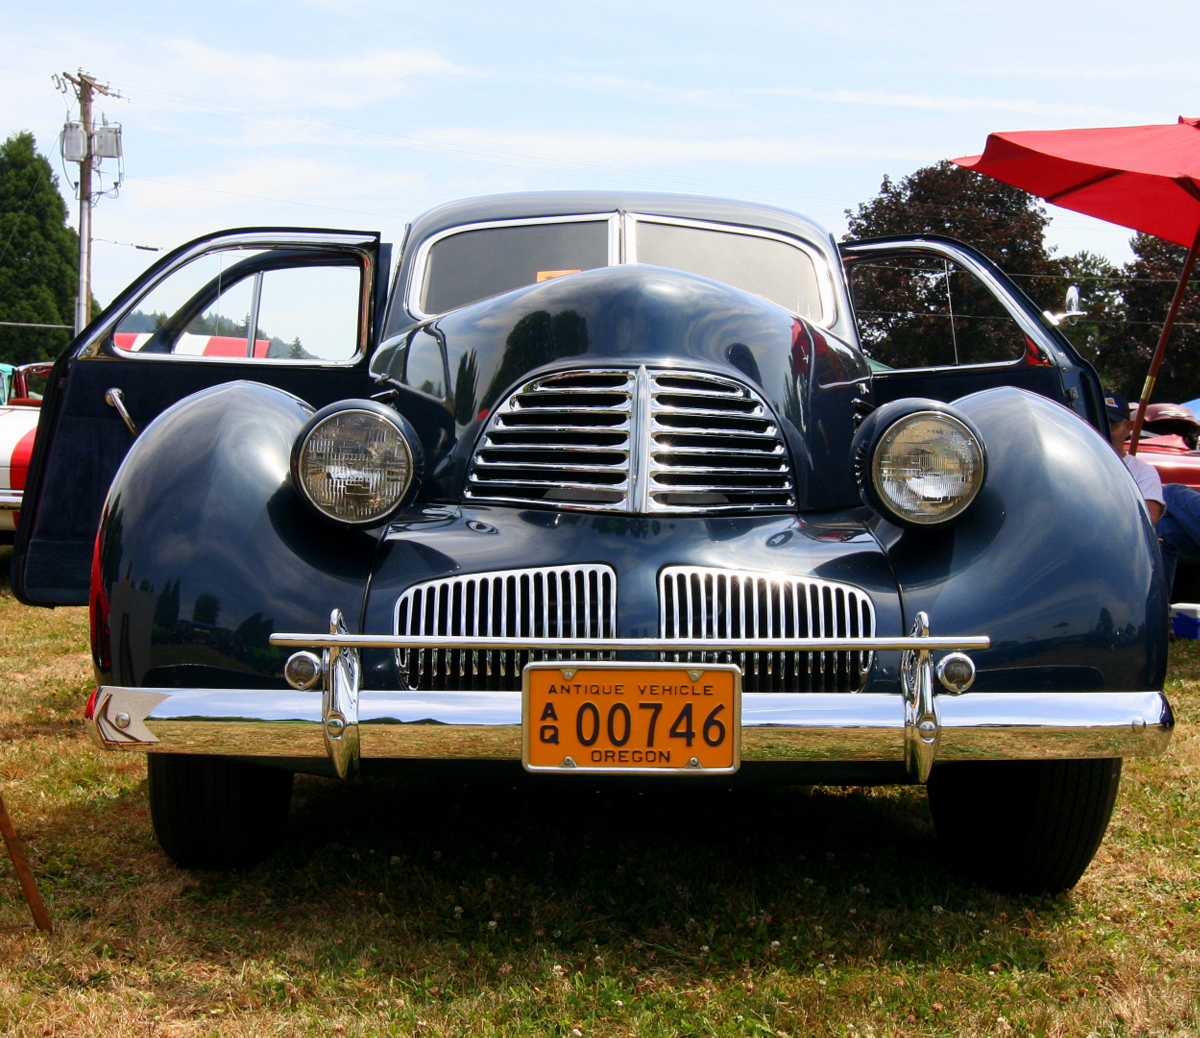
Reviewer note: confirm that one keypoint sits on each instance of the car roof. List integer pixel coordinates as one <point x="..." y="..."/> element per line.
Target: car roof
<point x="534" y="204"/>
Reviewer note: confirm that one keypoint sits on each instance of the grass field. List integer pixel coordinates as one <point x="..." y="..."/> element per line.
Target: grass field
<point x="401" y="908"/>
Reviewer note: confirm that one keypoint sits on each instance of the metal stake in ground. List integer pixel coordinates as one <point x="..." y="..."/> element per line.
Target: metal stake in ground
<point x="33" y="899"/>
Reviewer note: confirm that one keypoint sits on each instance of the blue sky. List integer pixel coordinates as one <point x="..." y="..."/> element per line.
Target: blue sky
<point x="362" y="114"/>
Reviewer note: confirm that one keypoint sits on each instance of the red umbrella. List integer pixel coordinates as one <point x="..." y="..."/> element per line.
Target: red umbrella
<point x="1143" y="177"/>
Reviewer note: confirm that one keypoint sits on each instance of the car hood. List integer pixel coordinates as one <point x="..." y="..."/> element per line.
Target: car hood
<point x="626" y="317"/>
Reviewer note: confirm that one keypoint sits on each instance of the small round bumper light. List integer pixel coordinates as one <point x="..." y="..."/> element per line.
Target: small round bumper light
<point x="956" y="672"/>
<point x="355" y="464"/>
<point x="303" y="670"/>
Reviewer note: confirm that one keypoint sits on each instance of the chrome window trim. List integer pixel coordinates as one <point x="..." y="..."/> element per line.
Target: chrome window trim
<point x="1028" y="326"/>
<point x="418" y="274"/>
<point x="100" y="343"/>
<point x="821" y="266"/>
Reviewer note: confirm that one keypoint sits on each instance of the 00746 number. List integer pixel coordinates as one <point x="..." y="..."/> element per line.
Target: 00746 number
<point x="617" y="728"/>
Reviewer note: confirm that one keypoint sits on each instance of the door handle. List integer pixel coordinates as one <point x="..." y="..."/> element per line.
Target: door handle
<point x="115" y="398"/>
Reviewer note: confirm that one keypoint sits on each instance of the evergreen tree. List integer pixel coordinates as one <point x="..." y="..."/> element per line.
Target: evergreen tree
<point x="39" y="255"/>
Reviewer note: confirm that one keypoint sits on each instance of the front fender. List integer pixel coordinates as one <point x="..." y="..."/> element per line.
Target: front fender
<point x="204" y="546"/>
<point x="1056" y="560"/>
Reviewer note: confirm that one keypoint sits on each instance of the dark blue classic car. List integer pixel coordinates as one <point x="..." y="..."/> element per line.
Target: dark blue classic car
<point x="603" y="485"/>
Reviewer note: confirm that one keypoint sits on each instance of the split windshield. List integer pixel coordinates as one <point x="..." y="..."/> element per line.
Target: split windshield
<point x="473" y="264"/>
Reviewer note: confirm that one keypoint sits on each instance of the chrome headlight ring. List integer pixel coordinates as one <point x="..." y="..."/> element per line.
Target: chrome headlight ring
<point x="919" y="463"/>
<point x="356" y="462"/>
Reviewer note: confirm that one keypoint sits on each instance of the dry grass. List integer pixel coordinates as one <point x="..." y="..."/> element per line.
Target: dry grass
<point x="410" y="907"/>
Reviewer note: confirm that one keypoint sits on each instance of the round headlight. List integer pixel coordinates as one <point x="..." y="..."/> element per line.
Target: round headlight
<point x="927" y="467"/>
<point x="354" y="465"/>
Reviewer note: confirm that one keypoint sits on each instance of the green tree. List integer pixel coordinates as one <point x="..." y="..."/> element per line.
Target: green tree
<point x="1147" y="284"/>
<point x="39" y="255"/>
<point x="916" y="310"/>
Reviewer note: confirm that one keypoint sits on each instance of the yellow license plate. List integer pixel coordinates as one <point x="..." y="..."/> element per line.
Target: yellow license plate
<point x="621" y="718"/>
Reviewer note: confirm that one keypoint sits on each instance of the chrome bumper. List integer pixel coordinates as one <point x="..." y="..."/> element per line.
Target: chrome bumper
<point x="10" y="500"/>
<point x="916" y="724"/>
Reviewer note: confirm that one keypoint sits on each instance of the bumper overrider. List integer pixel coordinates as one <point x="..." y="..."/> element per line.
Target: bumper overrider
<point x="922" y="722"/>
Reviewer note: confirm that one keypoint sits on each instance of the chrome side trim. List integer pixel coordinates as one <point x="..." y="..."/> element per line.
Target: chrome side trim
<point x="11" y="499"/>
<point x="776" y="726"/>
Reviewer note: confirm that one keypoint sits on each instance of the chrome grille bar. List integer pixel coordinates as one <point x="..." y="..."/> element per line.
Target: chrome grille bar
<point x="508" y="616"/>
<point x="792" y="634"/>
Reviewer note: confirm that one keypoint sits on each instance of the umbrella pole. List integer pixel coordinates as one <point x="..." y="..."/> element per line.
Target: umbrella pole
<point x="1161" y="349"/>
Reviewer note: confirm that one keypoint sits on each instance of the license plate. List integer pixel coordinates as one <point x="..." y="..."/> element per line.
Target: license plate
<point x="619" y="718"/>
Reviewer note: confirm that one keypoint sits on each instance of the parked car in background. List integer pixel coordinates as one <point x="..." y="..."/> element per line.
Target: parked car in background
<point x="24" y="387"/>
<point x="1170" y="440"/>
<point x="604" y="485"/>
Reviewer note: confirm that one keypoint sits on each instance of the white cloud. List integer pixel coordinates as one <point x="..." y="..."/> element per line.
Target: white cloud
<point x="952" y="103"/>
<point x="605" y="152"/>
<point x="283" y="82"/>
<point x="703" y="97"/>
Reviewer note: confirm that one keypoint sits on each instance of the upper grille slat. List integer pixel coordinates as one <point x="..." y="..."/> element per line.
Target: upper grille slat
<point x="704" y="444"/>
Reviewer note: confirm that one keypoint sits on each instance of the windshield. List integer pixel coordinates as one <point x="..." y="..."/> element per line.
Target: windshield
<point x="486" y="261"/>
<point x="767" y="267"/>
<point x="474" y="263"/>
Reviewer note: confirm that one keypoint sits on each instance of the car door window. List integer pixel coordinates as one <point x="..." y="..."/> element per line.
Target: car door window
<point x="303" y="306"/>
<point x="928" y="311"/>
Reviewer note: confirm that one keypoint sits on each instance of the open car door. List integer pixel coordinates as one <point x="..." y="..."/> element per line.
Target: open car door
<point x="292" y="308"/>
<point x="939" y="319"/>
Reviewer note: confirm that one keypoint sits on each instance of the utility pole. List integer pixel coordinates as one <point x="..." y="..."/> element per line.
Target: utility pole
<point x="85" y="87"/>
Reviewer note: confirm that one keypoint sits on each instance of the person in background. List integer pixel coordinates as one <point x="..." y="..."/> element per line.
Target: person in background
<point x="1145" y="475"/>
<point x="1174" y="508"/>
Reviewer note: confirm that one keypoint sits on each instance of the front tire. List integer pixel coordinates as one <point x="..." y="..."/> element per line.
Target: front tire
<point x="215" y="812"/>
<point x="1028" y="827"/>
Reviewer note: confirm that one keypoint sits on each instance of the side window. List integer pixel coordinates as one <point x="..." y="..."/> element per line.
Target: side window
<point x="927" y="311"/>
<point x="251" y="304"/>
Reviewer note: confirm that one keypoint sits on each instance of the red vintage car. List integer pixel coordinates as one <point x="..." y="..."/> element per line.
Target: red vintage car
<point x="1171" y="436"/>
<point x="18" y="426"/>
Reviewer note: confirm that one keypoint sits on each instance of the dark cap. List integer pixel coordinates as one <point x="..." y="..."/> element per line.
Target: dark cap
<point x="1117" y="408"/>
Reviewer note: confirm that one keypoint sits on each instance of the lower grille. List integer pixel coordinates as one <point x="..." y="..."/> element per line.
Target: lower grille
<point x="700" y="602"/>
<point x="548" y="602"/>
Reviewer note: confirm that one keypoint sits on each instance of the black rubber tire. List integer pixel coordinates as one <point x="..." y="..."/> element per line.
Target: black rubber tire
<point x="215" y="812"/>
<point x="1029" y="827"/>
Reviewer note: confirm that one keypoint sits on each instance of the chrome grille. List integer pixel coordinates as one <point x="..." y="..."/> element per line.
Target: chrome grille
<point x="702" y="602"/>
<point x="635" y="440"/>
<point x="549" y="602"/>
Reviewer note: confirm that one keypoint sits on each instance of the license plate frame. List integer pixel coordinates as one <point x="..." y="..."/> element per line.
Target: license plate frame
<point x="720" y="707"/>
